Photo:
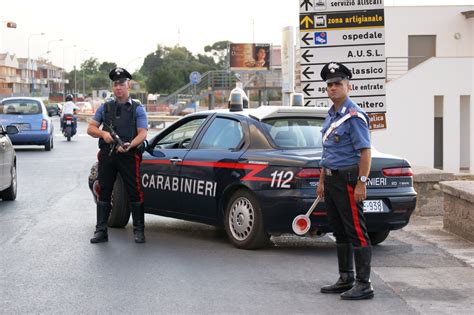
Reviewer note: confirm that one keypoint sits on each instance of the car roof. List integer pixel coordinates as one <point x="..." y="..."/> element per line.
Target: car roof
<point x="266" y="112"/>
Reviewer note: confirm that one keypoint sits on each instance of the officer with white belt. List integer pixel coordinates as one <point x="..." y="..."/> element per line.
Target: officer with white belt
<point x="346" y="163"/>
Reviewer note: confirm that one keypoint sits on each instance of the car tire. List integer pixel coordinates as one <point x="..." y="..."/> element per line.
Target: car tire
<point x="10" y="193"/>
<point x="378" y="237"/>
<point x="49" y="145"/>
<point x="244" y="221"/>
<point x="120" y="214"/>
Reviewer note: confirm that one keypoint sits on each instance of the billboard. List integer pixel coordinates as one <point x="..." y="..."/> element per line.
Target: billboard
<point x="249" y="56"/>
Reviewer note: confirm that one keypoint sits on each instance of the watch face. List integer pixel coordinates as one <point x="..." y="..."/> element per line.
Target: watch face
<point x="363" y="179"/>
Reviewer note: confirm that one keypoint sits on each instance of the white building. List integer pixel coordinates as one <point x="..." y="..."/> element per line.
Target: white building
<point x="430" y="100"/>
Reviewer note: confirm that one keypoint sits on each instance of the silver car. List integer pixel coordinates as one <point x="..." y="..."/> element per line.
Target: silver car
<point x="7" y="163"/>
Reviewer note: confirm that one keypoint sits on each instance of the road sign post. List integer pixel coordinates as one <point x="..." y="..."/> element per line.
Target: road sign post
<point x="350" y="32"/>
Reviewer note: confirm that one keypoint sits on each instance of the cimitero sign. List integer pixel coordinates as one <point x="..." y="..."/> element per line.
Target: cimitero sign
<point x="351" y="32"/>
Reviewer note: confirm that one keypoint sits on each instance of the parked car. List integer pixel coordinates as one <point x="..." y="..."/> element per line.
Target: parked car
<point x="7" y="163"/>
<point x="54" y="109"/>
<point x="253" y="171"/>
<point x="84" y="107"/>
<point x="31" y="118"/>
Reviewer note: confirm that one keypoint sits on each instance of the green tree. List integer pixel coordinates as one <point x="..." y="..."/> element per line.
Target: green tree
<point x="168" y="68"/>
<point x="90" y="66"/>
<point x="107" y="66"/>
<point x="219" y="50"/>
<point x="99" y="81"/>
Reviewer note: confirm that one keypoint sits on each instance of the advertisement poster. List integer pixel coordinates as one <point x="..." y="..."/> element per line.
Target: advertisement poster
<point x="249" y="56"/>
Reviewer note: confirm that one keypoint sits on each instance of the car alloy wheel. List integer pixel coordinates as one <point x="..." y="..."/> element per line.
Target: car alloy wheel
<point x="241" y="218"/>
<point x="244" y="221"/>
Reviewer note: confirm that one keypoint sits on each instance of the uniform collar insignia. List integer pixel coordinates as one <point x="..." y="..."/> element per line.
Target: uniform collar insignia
<point x="343" y="110"/>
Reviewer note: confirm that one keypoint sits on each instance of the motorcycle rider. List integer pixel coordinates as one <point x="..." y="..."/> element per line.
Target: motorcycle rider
<point x="69" y="108"/>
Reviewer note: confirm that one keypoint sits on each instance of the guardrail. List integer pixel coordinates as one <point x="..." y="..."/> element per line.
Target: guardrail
<point x="155" y="121"/>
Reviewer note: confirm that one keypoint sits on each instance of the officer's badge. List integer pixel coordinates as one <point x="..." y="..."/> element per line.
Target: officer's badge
<point x="333" y="67"/>
<point x="337" y="138"/>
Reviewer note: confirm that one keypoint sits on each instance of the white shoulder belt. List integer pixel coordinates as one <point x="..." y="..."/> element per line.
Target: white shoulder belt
<point x="336" y="124"/>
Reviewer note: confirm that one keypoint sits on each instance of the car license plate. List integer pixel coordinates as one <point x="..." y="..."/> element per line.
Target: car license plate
<point x="68" y="122"/>
<point x="22" y="126"/>
<point x="373" y="206"/>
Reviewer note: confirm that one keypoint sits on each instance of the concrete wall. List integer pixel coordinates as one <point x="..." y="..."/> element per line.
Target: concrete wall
<point x="442" y="21"/>
<point x="411" y="112"/>
<point x="458" y="206"/>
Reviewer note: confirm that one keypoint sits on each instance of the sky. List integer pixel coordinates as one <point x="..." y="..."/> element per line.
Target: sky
<point x="125" y="31"/>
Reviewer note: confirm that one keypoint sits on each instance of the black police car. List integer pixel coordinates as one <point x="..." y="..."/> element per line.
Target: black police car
<point x="253" y="172"/>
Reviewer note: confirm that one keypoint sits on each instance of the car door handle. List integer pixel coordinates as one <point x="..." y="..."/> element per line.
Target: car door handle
<point x="175" y="160"/>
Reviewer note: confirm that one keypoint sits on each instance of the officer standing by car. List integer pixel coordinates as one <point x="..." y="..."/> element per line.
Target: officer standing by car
<point x="126" y="118"/>
<point x="345" y="166"/>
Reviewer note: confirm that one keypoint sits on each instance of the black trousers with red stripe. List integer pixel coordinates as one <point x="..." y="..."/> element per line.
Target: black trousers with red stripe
<point x="128" y="166"/>
<point x="346" y="216"/>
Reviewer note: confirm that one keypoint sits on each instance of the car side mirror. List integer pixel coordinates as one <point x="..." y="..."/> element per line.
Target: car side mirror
<point x="12" y="130"/>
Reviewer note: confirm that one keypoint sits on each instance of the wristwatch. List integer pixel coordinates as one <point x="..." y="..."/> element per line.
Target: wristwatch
<point x="362" y="178"/>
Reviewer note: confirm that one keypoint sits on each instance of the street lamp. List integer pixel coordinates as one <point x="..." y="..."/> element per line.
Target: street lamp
<point x="75" y="70"/>
<point x="49" y="63"/>
<point x="64" y="70"/>
<point x="84" y="80"/>
<point x="29" y="61"/>
<point x="132" y="60"/>
<point x="9" y="24"/>
<point x="52" y="41"/>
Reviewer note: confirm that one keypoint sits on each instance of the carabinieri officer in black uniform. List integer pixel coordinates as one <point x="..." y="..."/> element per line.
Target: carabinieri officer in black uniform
<point x="346" y="164"/>
<point x="129" y="121"/>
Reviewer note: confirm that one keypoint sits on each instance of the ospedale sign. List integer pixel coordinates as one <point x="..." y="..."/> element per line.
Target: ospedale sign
<point x="249" y="56"/>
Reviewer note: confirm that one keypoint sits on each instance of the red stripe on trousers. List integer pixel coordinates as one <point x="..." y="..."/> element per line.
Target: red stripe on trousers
<point x="137" y="176"/>
<point x="355" y="216"/>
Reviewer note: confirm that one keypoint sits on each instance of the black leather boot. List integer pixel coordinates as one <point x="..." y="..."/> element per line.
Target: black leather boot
<point x="100" y="234"/>
<point x="138" y="215"/>
<point x="346" y="270"/>
<point x="363" y="288"/>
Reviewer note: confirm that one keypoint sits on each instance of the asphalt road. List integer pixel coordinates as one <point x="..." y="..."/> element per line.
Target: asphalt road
<point x="47" y="264"/>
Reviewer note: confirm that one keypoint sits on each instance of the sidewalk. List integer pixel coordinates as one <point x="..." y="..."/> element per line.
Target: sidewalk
<point x="430" y="229"/>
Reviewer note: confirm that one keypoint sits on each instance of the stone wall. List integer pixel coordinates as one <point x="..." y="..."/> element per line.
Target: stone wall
<point x="458" y="206"/>
<point x="429" y="199"/>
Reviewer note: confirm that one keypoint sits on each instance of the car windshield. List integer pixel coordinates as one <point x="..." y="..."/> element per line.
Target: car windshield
<point x="291" y="132"/>
<point x="20" y="107"/>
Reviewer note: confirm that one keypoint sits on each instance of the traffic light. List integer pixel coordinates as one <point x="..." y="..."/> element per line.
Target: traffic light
<point x="11" y="24"/>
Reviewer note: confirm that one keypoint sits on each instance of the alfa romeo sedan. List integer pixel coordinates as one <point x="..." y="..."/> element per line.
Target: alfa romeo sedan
<point x="253" y="171"/>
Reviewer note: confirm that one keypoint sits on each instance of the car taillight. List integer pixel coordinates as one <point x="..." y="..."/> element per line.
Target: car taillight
<point x="398" y="171"/>
<point x="309" y="173"/>
<point x="44" y="124"/>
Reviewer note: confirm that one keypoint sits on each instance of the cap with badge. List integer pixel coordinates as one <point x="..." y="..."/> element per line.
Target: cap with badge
<point x="335" y="72"/>
<point x="119" y="74"/>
